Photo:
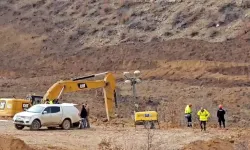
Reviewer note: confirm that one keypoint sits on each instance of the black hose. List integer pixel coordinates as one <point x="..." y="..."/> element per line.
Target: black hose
<point x="82" y="78"/>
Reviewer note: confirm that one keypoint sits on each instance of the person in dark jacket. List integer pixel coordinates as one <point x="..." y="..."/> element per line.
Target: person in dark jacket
<point x="220" y="114"/>
<point x="56" y="101"/>
<point x="83" y="115"/>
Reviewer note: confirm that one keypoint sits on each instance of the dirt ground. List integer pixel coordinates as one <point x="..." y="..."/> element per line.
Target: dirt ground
<point x="12" y="143"/>
<point x="187" y="51"/>
<point x="99" y="137"/>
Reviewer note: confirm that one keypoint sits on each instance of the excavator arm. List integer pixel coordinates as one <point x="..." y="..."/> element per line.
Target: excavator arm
<point x="66" y="86"/>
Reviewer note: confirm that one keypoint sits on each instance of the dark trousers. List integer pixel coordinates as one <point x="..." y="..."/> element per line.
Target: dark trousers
<point x="203" y="125"/>
<point x="189" y="120"/>
<point x="83" y="123"/>
<point x="221" y="121"/>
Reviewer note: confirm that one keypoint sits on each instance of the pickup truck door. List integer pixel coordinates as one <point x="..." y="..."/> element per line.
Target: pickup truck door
<point x="56" y="115"/>
<point x="46" y="116"/>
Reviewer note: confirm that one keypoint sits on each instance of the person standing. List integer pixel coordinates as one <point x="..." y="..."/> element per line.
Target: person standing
<point x="83" y="117"/>
<point x="188" y="115"/>
<point x="221" y="116"/>
<point x="87" y="117"/>
<point x="56" y="101"/>
<point x="203" y="117"/>
<point x="51" y="102"/>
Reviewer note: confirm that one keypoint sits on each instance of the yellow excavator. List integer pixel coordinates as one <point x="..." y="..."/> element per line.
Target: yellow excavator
<point x="66" y="86"/>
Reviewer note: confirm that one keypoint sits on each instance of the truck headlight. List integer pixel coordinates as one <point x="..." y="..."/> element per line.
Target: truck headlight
<point x="27" y="118"/>
<point x="23" y="117"/>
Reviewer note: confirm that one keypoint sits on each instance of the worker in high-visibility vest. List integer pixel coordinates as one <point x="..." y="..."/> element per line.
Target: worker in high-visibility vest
<point x="51" y="102"/>
<point x="188" y="115"/>
<point x="203" y="117"/>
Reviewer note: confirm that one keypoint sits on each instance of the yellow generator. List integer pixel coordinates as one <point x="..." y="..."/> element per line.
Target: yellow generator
<point x="147" y="118"/>
<point x="10" y="106"/>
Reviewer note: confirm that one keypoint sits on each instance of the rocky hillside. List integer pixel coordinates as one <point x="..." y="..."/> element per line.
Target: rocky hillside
<point x="79" y="24"/>
<point x="48" y="33"/>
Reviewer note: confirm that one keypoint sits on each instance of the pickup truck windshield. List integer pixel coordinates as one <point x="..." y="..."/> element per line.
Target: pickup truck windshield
<point x="35" y="109"/>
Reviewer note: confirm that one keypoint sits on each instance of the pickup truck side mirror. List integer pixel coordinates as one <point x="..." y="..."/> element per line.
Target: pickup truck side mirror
<point x="44" y="112"/>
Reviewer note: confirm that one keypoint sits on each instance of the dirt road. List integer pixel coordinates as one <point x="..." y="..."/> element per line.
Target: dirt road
<point x="98" y="137"/>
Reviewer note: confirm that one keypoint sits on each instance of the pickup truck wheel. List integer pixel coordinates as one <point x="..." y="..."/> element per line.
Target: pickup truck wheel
<point x="19" y="127"/>
<point x="35" y="125"/>
<point x="66" y="124"/>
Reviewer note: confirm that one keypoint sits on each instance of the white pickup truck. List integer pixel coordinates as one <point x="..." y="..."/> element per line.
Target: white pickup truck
<point x="48" y="115"/>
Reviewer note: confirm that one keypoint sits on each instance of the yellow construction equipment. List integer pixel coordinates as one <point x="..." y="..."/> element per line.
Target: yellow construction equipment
<point x="140" y="117"/>
<point x="65" y="86"/>
<point x="10" y="106"/>
<point x="147" y="118"/>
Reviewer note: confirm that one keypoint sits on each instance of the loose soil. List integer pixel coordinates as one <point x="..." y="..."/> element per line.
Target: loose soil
<point x="111" y="137"/>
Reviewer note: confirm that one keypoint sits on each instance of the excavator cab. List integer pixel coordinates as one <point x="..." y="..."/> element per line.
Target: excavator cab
<point x="34" y="99"/>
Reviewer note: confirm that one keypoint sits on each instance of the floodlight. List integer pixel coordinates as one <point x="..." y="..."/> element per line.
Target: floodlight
<point x="137" y="73"/>
<point x="128" y="81"/>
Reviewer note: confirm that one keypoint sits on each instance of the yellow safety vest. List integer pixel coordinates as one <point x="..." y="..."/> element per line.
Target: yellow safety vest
<point x="188" y="110"/>
<point x="203" y="115"/>
<point x="50" y="102"/>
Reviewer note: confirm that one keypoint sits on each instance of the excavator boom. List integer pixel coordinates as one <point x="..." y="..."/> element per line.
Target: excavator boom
<point x="66" y="86"/>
